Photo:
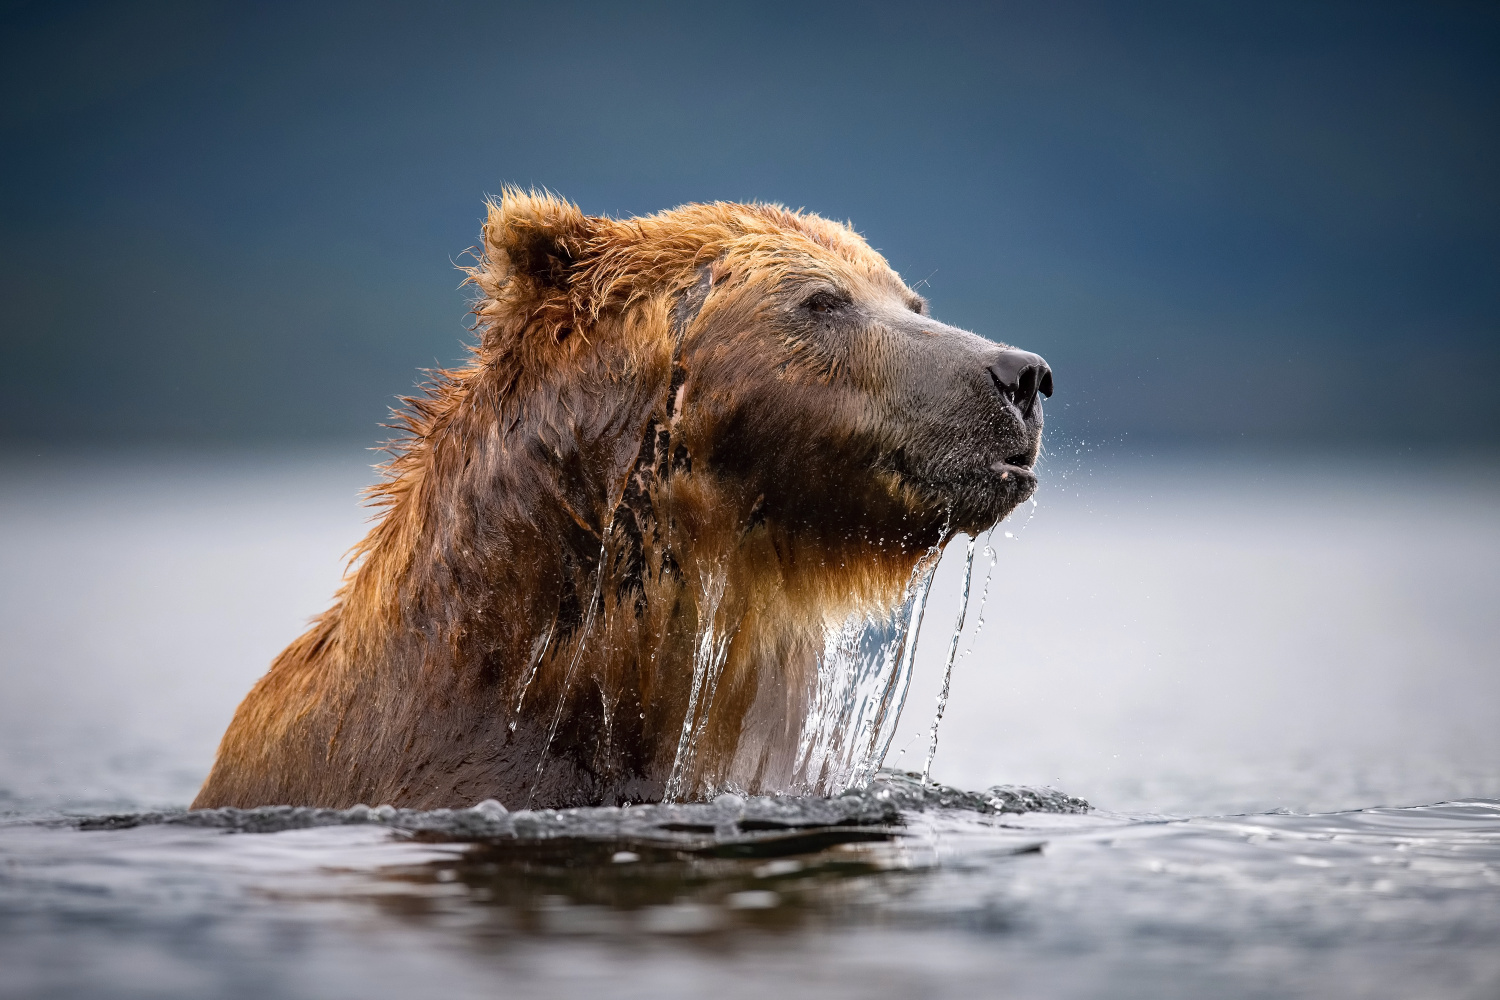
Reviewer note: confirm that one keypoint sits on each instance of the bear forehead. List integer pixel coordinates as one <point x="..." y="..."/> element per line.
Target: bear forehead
<point x="558" y="250"/>
<point x="547" y="269"/>
<point x="759" y="235"/>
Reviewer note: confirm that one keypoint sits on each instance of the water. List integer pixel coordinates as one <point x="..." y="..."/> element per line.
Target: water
<point x="583" y="638"/>
<point x="863" y="679"/>
<point x="1275" y="683"/>
<point x="958" y="633"/>
<point x="709" y="651"/>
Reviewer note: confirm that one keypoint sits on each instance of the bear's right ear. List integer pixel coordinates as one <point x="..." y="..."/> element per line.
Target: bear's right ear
<point x="528" y="271"/>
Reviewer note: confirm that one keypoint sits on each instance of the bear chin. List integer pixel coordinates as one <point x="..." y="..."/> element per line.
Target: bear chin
<point x="982" y="499"/>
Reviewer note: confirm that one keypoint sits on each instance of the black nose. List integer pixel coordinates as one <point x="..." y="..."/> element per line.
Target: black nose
<point x="1020" y="375"/>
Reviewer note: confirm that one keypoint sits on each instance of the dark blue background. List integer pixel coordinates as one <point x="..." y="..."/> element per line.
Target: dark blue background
<point x="1251" y="222"/>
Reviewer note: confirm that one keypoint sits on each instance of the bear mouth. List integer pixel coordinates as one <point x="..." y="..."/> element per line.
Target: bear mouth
<point x="976" y="495"/>
<point x="1016" y="479"/>
<point x="1019" y="467"/>
<point x="987" y="495"/>
<point x="1014" y="465"/>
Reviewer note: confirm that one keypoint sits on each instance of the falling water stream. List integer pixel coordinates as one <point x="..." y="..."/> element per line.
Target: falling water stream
<point x="709" y="651"/>
<point x="538" y="651"/>
<point x="863" y="678"/>
<point x="958" y="631"/>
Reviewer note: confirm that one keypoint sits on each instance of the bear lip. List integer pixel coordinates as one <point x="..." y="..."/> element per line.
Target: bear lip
<point x="1009" y="468"/>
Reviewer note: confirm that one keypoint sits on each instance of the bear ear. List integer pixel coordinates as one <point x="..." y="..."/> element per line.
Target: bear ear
<point x="536" y="236"/>
<point x="531" y="269"/>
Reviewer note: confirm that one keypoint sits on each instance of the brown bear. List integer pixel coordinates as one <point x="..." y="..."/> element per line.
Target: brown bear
<point x="665" y="534"/>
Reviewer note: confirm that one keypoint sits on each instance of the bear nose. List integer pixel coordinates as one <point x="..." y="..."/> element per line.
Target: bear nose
<point x="1020" y="375"/>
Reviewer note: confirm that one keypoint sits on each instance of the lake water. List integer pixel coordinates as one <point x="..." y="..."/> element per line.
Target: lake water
<point x="1275" y="680"/>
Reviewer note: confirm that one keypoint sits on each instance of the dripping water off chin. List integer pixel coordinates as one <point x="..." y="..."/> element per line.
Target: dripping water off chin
<point x="958" y="629"/>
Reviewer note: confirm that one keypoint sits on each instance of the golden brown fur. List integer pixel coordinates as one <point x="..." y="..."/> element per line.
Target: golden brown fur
<point x="651" y="452"/>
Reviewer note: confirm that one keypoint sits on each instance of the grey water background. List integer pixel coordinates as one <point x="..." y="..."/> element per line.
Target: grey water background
<point x="1251" y="617"/>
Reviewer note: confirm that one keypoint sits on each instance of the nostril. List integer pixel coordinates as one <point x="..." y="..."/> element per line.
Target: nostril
<point x="1027" y="389"/>
<point x="1007" y="392"/>
<point x="1026" y="393"/>
<point x="1020" y="376"/>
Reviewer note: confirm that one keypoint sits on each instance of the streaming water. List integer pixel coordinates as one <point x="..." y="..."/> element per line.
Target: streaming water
<point x="984" y="595"/>
<point x="863" y="677"/>
<point x="958" y="631"/>
<point x="583" y="638"/>
<point x="709" y="650"/>
<point x="538" y="651"/>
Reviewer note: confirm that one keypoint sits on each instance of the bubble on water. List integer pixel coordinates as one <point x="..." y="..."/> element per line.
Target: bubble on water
<point x="681" y="918"/>
<point x="752" y="899"/>
<point x="491" y="809"/>
<point x="779" y="867"/>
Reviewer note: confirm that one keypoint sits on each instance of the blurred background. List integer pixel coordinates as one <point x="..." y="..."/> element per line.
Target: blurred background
<point x="1258" y="242"/>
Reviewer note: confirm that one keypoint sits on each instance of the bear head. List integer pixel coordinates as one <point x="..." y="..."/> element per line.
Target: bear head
<point x="786" y="358"/>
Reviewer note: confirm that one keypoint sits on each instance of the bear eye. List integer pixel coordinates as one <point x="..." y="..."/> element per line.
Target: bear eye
<point x="824" y="302"/>
<point x="918" y="305"/>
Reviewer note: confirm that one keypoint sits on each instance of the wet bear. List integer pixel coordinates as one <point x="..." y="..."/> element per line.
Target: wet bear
<point x="664" y="535"/>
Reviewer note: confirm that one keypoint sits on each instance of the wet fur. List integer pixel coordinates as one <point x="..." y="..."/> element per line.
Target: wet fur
<point x="642" y="446"/>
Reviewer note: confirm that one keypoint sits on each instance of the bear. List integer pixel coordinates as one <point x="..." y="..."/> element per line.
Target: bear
<point x="666" y="534"/>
